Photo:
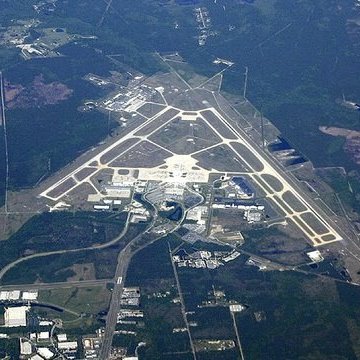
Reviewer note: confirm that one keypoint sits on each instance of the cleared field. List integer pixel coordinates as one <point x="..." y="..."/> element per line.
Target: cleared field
<point x="103" y="176"/>
<point x="157" y="122"/>
<point x="296" y="230"/>
<point x="312" y="221"/>
<point x="221" y="158"/>
<point x="328" y="237"/>
<point x="316" y="241"/>
<point x="62" y="188"/>
<point x="82" y="300"/>
<point x="259" y="191"/>
<point x="270" y="209"/>
<point x="281" y="203"/>
<point x="248" y="156"/>
<point x="149" y="110"/>
<point x="218" y="124"/>
<point x="210" y="345"/>
<point x="142" y="155"/>
<point x="276" y="207"/>
<point x="293" y="202"/>
<point x="185" y="137"/>
<point x="79" y="195"/>
<point x="117" y="150"/>
<point x="262" y="183"/>
<point x="303" y="226"/>
<point x="84" y="173"/>
<point x="273" y="182"/>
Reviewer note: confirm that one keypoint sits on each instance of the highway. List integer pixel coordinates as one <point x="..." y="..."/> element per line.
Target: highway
<point x="9" y="266"/>
<point x="241" y="352"/>
<point x="111" y="319"/>
<point x="183" y="307"/>
<point x="289" y="184"/>
<point x="6" y="175"/>
<point x="123" y="262"/>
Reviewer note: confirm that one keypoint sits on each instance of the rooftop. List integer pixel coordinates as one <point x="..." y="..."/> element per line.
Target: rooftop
<point x="15" y="316"/>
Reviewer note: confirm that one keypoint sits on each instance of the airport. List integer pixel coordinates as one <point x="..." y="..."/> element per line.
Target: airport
<point x="180" y="147"/>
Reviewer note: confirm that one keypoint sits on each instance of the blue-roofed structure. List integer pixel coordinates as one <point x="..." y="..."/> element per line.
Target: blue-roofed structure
<point x="242" y="186"/>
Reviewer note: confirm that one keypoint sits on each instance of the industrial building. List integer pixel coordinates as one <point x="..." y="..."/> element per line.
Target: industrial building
<point x="61" y="337"/>
<point x="254" y="214"/>
<point x="198" y="214"/>
<point x="128" y="313"/>
<point x="131" y="292"/>
<point x="45" y="353"/>
<point x="205" y="259"/>
<point x="252" y="211"/>
<point x="237" y="308"/>
<point x="30" y="295"/>
<point x="45" y="323"/>
<point x="16" y="316"/>
<point x="135" y="218"/>
<point x="231" y="256"/>
<point x="91" y="347"/>
<point x="242" y="187"/>
<point x="117" y="190"/>
<point x="315" y="256"/>
<point x="25" y="347"/>
<point x="9" y="295"/>
<point x="36" y="357"/>
<point x="101" y="207"/>
<point x="43" y="335"/>
<point x="226" y="203"/>
<point x="130" y="296"/>
<point x="67" y="345"/>
<point x="13" y="295"/>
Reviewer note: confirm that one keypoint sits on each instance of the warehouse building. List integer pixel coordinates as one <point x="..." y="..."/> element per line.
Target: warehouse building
<point x="242" y="187"/>
<point x="16" y="316"/>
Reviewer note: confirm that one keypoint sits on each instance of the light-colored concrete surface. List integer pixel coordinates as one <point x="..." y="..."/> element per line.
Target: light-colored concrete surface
<point x="180" y="169"/>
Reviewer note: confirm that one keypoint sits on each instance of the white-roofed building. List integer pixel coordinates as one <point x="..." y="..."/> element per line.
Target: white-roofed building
<point x="45" y="353"/>
<point x="62" y="337"/>
<point x="25" y="347"/>
<point x="29" y="295"/>
<point x="10" y="295"/>
<point x="43" y="335"/>
<point x="14" y="295"/>
<point x="68" y="345"/>
<point x="315" y="256"/>
<point x="15" y="316"/>
<point x="36" y="357"/>
<point x="45" y="323"/>
<point x="237" y="308"/>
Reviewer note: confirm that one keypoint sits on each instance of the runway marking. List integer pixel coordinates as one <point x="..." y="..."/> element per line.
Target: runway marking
<point x="267" y="169"/>
<point x="286" y="186"/>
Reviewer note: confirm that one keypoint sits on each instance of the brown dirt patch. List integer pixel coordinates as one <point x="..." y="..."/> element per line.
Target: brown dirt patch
<point x="37" y="94"/>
